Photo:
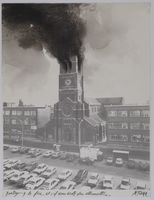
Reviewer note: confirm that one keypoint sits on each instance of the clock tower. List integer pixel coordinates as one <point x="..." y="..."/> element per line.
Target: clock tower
<point x="70" y="109"/>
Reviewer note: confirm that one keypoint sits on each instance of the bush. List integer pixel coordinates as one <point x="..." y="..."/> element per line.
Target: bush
<point x="143" y="166"/>
<point x="131" y="164"/>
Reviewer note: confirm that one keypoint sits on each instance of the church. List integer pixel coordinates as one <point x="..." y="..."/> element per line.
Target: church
<point x="76" y="122"/>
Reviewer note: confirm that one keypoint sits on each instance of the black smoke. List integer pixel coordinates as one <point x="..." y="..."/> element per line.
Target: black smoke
<point x="56" y="27"/>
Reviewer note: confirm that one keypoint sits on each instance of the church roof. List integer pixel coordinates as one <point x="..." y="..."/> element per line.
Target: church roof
<point x="92" y="101"/>
<point x="111" y="101"/>
<point x="94" y="120"/>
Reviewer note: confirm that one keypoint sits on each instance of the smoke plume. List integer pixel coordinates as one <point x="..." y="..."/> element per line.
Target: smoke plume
<point x="56" y="27"/>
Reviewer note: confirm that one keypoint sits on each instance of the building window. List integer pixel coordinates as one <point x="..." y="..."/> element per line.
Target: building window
<point x="123" y="138"/>
<point x="146" y="139"/>
<point x="27" y="113"/>
<point x="145" y="113"/>
<point x="135" y="113"/>
<point x="136" y="138"/>
<point x="26" y="122"/>
<point x="19" y="112"/>
<point x="122" y="113"/>
<point x="6" y="121"/>
<point x="33" y="122"/>
<point x="135" y="126"/>
<point x="112" y="113"/>
<point x="117" y="125"/>
<point x="14" y="121"/>
<point x="33" y="113"/>
<point x="7" y="112"/>
<point x="146" y="126"/>
<point x="14" y="112"/>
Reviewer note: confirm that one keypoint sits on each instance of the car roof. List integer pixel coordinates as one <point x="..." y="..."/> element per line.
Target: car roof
<point x="141" y="183"/>
<point x="125" y="179"/>
<point x="108" y="177"/>
<point x="51" y="180"/>
<point x="94" y="174"/>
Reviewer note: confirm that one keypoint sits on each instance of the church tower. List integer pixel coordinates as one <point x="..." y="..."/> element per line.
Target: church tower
<point x="70" y="109"/>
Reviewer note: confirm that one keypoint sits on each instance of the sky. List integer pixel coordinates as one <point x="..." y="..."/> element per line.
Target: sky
<point x="116" y="64"/>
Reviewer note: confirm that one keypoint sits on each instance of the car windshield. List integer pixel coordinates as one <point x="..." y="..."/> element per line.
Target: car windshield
<point x="79" y="173"/>
<point x="107" y="181"/>
<point x="63" y="187"/>
<point x="125" y="182"/>
<point x="46" y="183"/>
<point x="53" y="182"/>
<point x="48" y="170"/>
<point x="93" y="177"/>
<point x="31" y="182"/>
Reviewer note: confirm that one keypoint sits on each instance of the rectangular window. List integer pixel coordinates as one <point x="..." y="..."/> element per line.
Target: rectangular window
<point x="135" y="126"/>
<point x="33" y="113"/>
<point x="117" y="125"/>
<point x="123" y="138"/>
<point x="135" y="113"/>
<point x="14" y="112"/>
<point x="27" y="113"/>
<point x="112" y="113"/>
<point x="146" y="139"/>
<point x="145" y="113"/>
<point x="122" y="113"/>
<point x="6" y="121"/>
<point x="14" y="121"/>
<point x="7" y="112"/>
<point x="19" y="112"/>
<point x="146" y="126"/>
<point x="136" y="138"/>
<point x="26" y="122"/>
<point x="33" y="122"/>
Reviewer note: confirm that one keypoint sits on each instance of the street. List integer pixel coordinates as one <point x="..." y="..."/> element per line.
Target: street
<point x="100" y="167"/>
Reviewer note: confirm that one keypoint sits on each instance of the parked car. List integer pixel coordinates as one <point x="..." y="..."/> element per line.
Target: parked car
<point x="93" y="180"/>
<point x="68" y="185"/>
<point x="47" y="154"/>
<point x="34" y="183"/>
<point x="55" y="155"/>
<point x="143" y="166"/>
<point x="85" y="188"/>
<point x="64" y="174"/>
<point x="40" y="168"/>
<point x="16" y="176"/>
<point x="15" y="149"/>
<point x="20" y="165"/>
<point x="11" y="164"/>
<point x="109" y="161"/>
<point x="5" y="147"/>
<point x="26" y="181"/>
<point x="49" y="172"/>
<point x="50" y="184"/>
<point x="125" y="184"/>
<point x="140" y="185"/>
<point x="63" y="156"/>
<point x="31" y="151"/>
<point x="24" y="150"/>
<point x="70" y="158"/>
<point x="35" y="154"/>
<point x="86" y="161"/>
<point x="8" y="174"/>
<point x="23" y="180"/>
<point x="107" y="182"/>
<point x="31" y="166"/>
<point x="80" y="176"/>
<point x="119" y="162"/>
<point x="131" y="164"/>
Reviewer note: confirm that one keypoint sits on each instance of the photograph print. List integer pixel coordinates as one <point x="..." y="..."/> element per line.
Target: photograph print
<point x="76" y="99"/>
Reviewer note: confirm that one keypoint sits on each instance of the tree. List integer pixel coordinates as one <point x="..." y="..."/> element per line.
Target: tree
<point x="20" y="103"/>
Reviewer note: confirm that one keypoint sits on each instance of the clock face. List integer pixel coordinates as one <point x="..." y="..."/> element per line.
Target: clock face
<point x="67" y="109"/>
<point x="68" y="82"/>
